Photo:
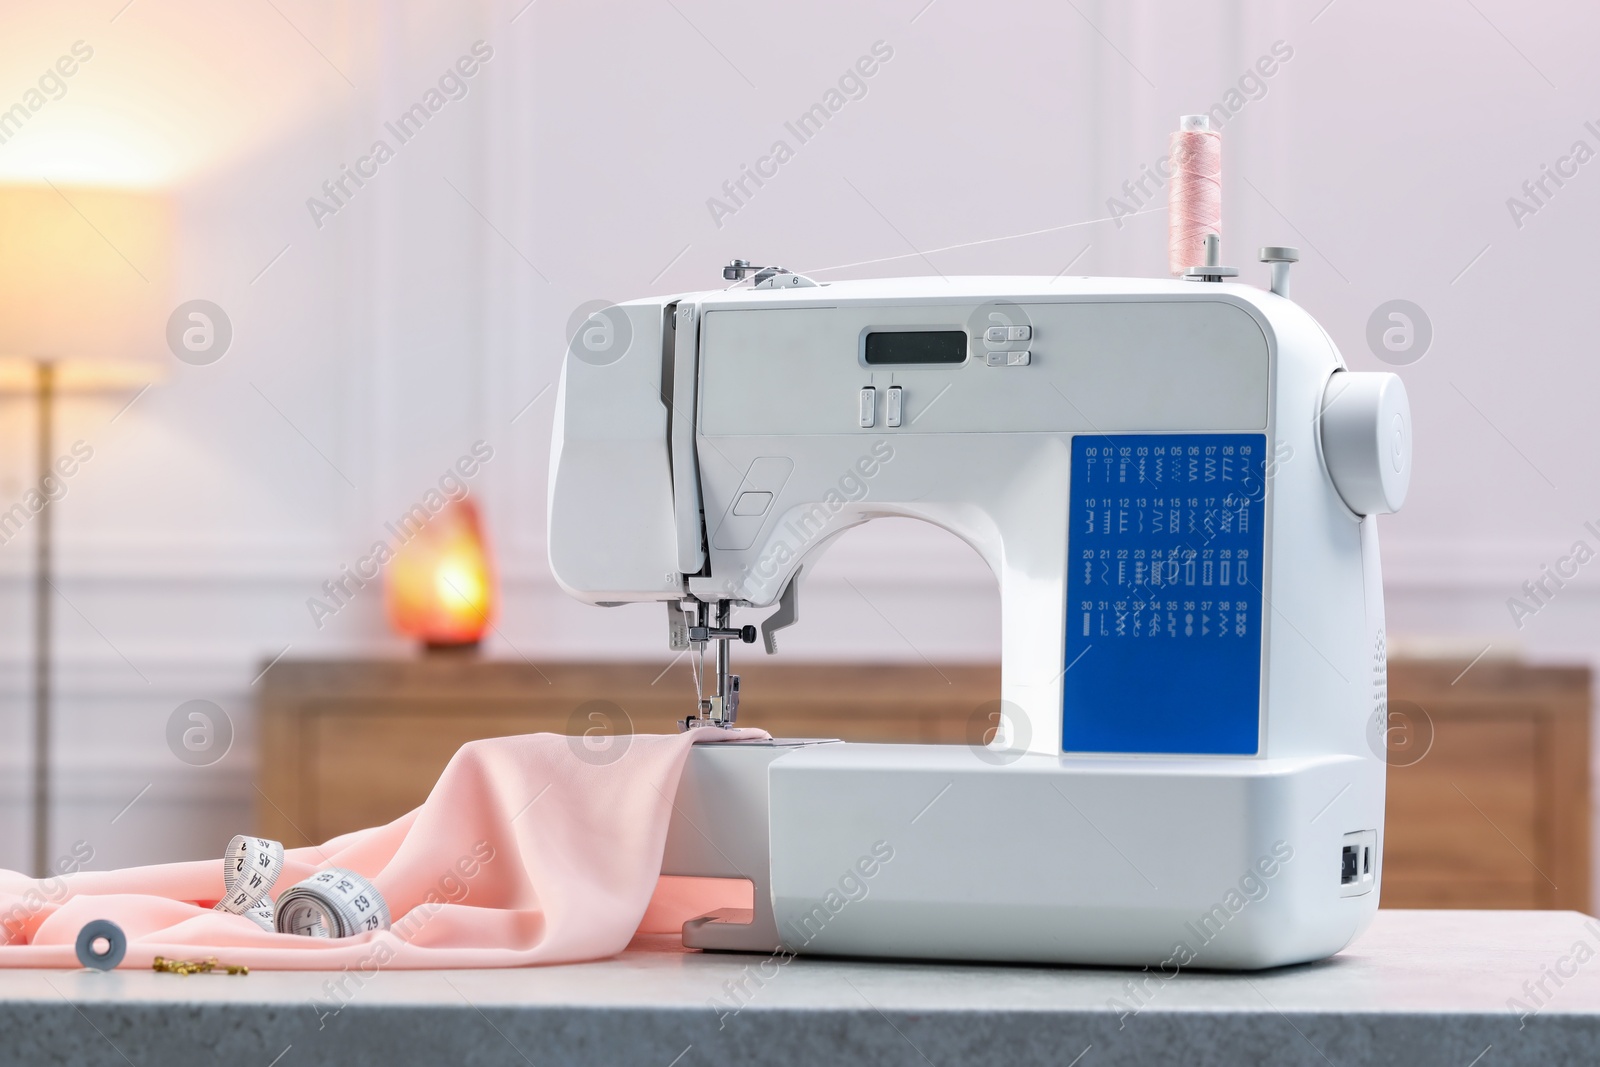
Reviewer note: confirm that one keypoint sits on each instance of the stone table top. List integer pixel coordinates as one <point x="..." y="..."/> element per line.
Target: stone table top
<point x="1465" y="988"/>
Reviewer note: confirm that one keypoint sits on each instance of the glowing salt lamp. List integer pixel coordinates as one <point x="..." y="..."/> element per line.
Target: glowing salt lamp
<point x="440" y="586"/>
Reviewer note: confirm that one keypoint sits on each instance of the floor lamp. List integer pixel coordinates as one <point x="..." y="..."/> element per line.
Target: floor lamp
<point x="43" y="649"/>
<point x="84" y="273"/>
<point x="47" y="380"/>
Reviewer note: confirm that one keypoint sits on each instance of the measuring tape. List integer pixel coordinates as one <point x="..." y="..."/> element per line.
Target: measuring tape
<point x="261" y="915"/>
<point x="250" y="868"/>
<point x="332" y="903"/>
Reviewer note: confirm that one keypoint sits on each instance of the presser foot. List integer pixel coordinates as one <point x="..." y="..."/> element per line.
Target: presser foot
<point x="721" y="708"/>
<point x="719" y="711"/>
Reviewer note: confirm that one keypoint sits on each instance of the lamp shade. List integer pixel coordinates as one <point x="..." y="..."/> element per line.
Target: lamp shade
<point x="85" y="273"/>
<point x="440" y="583"/>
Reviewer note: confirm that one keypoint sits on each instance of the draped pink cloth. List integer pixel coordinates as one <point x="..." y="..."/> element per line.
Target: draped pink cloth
<point x="525" y="852"/>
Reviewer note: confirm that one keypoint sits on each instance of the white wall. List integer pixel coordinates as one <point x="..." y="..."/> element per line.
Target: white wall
<point x="429" y="311"/>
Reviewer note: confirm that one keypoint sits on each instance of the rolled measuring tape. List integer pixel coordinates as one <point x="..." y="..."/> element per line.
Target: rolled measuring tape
<point x="261" y="915"/>
<point x="331" y="903"/>
<point x="250" y="868"/>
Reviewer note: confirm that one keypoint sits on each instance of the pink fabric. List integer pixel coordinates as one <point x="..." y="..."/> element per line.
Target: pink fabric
<point x="523" y="853"/>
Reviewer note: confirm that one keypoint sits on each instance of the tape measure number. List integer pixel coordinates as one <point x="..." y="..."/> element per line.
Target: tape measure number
<point x="250" y="868"/>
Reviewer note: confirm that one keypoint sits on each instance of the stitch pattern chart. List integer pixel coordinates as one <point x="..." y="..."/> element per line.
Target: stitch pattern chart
<point x="1164" y="586"/>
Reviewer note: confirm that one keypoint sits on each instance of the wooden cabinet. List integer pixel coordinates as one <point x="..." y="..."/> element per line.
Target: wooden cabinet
<point x="1495" y="813"/>
<point x="1488" y="787"/>
<point x="351" y="744"/>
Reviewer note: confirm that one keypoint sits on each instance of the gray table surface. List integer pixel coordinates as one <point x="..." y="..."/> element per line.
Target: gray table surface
<point x="1420" y="987"/>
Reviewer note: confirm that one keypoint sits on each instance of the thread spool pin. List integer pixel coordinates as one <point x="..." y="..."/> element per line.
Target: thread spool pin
<point x="1280" y="256"/>
<point x="1211" y="270"/>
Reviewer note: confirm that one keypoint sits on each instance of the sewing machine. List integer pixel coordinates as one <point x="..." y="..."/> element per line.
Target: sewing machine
<point x="1175" y="484"/>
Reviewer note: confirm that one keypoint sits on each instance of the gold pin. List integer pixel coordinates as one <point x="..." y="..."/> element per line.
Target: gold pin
<point x="208" y="965"/>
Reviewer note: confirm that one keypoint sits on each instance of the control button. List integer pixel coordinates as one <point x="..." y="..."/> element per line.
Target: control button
<point x="1008" y="359"/>
<point x="1019" y="333"/>
<point x="869" y="406"/>
<point x="891" y="407"/>
<point x="995" y="333"/>
<point x="752" y="504"/>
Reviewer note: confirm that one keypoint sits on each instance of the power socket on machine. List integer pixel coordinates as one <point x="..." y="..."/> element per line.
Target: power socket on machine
<point x="1358" y="863"/>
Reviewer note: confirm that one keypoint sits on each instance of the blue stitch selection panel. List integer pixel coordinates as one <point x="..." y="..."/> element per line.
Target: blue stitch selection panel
<point x="1163" y="604"/>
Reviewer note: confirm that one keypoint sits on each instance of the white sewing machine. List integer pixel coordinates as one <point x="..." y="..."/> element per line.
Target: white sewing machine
<point x="1174" y="483"/>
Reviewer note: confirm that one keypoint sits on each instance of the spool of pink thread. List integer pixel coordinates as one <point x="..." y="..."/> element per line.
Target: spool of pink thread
<point x="1194" y="197"/>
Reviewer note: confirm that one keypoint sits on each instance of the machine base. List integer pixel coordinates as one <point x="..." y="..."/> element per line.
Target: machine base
<point x="949" y="852"/>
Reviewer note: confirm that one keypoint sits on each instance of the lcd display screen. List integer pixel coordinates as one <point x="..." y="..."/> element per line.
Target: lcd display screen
<point x="903" y="347"/>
